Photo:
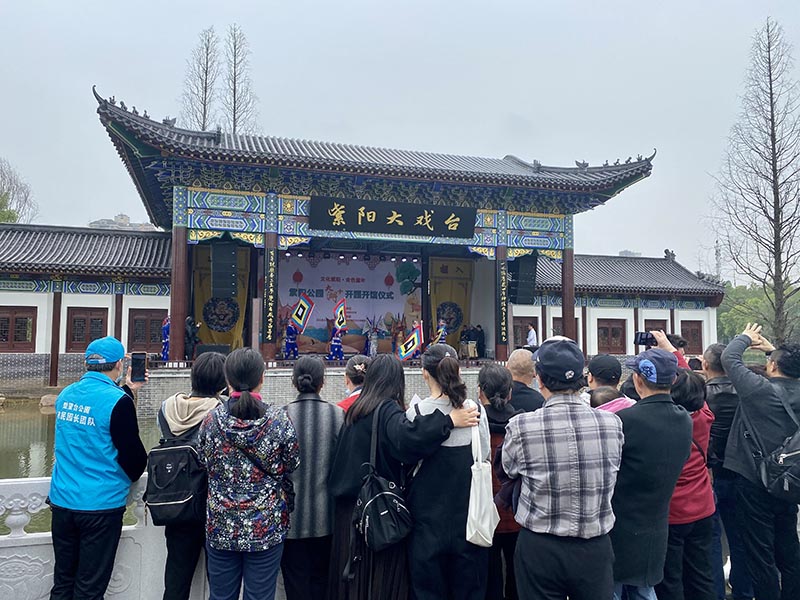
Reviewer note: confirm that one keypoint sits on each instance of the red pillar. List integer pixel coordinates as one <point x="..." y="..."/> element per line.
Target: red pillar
<point x="55" y="339"/>
<point x="179" y="293"/>
<point x="568" y="294"/>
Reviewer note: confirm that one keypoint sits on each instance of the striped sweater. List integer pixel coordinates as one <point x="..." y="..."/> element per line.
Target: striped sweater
<point x="317" y="424"/>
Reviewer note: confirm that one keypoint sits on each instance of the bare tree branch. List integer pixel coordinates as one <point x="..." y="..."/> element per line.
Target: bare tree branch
<point x="758" y="204"/>
<point x="17" y="204"/>
<point x="200" y="84"/>
<point x="238" y="99"/>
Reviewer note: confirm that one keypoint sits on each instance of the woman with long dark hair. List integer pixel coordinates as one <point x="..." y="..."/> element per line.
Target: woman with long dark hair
<point x="400" y="445"/>
<point x="249" y="448"/>
<point x="494" y="392"/>
<point x="442" y="562"/>
<point x="307" y="549"/>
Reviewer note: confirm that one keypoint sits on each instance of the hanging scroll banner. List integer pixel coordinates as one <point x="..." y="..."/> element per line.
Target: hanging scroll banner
<point x="377" y="216"/>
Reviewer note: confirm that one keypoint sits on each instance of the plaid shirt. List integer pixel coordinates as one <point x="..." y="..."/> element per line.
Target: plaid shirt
<point x="568" y="455"/>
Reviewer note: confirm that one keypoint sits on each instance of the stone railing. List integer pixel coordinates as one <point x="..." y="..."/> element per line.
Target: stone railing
<point x="26" y="559"/>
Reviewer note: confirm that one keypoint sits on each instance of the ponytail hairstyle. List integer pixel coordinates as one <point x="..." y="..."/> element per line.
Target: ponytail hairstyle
<point x="384" y="381"/>
<point x="244" y="369"/>
<point x="440" y="361"/>
<point x="356" y="369"/>
<point x="308" y="374"/>
<point x="495" y="382"/>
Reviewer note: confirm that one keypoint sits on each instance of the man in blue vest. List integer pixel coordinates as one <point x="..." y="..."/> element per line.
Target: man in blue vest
<point x="98" y="455"/>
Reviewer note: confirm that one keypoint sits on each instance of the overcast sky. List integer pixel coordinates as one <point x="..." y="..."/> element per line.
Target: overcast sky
<point x="555" y="81"/>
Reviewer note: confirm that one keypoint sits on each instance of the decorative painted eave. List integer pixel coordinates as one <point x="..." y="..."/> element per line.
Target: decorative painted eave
<point x="138" y="137"/>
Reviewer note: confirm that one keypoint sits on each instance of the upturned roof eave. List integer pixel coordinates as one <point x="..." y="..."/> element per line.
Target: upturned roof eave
<point x="150" y="133"/>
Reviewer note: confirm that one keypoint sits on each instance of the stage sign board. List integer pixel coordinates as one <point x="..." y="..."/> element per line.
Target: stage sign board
<point x="377" y="216"/>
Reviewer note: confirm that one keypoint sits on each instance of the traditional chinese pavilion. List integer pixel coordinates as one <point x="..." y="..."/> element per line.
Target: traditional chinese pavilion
<point x="257" y="221"/>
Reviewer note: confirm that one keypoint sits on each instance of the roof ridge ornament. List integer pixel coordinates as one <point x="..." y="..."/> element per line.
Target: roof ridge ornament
<point x="652" y="156"/>
<point x="582" y="165"/>
<point x="537" y="166"/>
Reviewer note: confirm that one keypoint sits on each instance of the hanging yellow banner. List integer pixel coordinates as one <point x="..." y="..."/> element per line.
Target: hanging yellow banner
<point x="451" y="292"/>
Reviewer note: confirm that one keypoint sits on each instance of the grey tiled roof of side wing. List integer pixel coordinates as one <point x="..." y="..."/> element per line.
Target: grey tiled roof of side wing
<point x="631" y="275"/>
<point x="79" y="250"/>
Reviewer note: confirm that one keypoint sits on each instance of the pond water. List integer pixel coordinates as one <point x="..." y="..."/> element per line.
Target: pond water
<point x="27" y="437"/>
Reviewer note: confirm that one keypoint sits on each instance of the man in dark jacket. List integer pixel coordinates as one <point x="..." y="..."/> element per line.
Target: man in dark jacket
<point x="522" y="368"/>
<point x="723" y="401"/>
<point x="767" y="524"/>
<point x="658" y="437"/>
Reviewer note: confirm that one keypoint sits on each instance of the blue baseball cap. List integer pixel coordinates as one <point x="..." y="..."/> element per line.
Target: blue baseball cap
<point x="104" y="350"/>
<point x="560" y="359"/>
<point x="655" y="365"/>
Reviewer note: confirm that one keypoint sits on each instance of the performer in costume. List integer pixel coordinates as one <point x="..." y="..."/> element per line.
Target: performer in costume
<point x="336" y="352"/>
<point x="290" y="344"/>
<point x="373" y="342"/>
<point x="165" y="339"/>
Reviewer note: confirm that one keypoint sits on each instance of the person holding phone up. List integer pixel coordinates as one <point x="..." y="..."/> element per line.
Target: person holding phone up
<point x="98" y="455"/>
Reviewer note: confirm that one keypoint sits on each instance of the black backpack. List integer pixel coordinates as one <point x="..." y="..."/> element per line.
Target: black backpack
<point x="177" y="482"/>
<point x="380" y="516"/>
<point x="780" y="469"/>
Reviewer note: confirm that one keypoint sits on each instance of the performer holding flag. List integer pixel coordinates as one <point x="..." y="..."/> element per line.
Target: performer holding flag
<point x="339" y="327"/>
<point x="297" y="324"/>
<point x="441" y="333"/>
<point x="412" y="344"/>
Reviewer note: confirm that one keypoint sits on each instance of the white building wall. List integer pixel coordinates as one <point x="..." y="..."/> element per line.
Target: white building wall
<point x="44" y="306"/>
<point x="555" y="312"/>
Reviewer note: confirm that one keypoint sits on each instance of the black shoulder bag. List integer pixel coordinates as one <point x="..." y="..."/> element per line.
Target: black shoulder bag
<point x="380" y="516"/>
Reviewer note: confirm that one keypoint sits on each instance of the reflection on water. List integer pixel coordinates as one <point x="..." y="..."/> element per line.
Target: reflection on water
<point x="27" y="437"/>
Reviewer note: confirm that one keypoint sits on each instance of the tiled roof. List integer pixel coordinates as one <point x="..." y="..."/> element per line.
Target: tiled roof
<point x="83" y="251"/>
<point x="284" y="152"/>
<point x="626" y="275"/>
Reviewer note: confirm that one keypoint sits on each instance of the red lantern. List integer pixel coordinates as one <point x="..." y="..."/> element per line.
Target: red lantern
<point x="389" y="281"/>
<point x="297" y="277"/>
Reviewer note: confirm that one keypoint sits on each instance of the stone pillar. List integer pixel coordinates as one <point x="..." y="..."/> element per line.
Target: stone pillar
<point x="269" y="318"/>
<point x="501" y="304"/>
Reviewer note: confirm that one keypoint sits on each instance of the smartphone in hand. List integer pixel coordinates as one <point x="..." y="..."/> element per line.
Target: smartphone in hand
<point x="138" y="366"/>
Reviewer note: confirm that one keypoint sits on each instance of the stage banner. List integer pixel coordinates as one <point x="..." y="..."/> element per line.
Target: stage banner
<point x="377" y="216"/>
<point x="451" y="293"/>
<point x="381" y="290"/>
<point x="222" y="318"/>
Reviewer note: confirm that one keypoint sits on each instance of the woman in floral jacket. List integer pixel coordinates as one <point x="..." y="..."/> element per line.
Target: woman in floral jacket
<point x="248" y="448"/>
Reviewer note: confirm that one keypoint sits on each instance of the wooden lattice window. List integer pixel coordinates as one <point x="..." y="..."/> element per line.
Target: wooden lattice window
<point x="558" y="326"/>
<point x="521" y="330"/>
<point x="17" y="328"/>
<point x="655" y="325"/>
<point x="85" y="325"/>
<point x="144" y="329"/>
<point x="692" y="332"/>
<point x="611" y="336"/>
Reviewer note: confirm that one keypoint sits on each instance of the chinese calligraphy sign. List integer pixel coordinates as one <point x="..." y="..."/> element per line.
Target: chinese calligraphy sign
<point x="377" y="216"/>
